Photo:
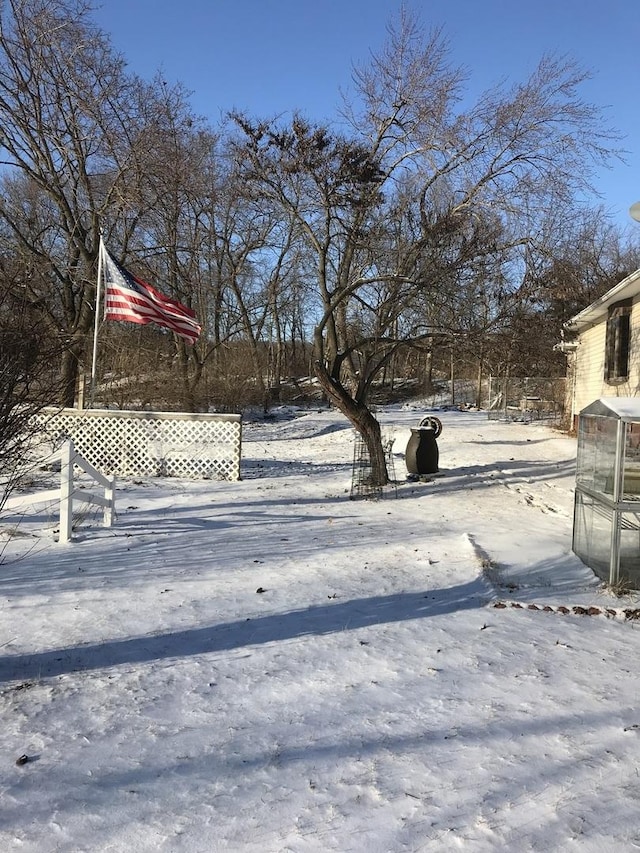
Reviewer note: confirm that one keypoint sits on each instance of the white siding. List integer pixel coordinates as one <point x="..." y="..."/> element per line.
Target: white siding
<point x="589" y="379"/>
<point x="589" y="376"/>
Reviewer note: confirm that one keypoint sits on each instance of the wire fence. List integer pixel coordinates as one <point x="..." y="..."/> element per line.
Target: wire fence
<point x="362" y="483"/>
<point x="531" y="398"/>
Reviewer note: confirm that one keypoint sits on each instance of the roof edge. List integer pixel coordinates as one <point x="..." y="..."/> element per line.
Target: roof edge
<point x="594" y="312"/>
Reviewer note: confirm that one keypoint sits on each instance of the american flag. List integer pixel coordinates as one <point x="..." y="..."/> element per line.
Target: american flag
<point x="129" y="298"/>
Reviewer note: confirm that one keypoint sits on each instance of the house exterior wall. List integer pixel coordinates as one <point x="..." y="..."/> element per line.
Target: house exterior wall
<point x="589" y="381"/>
<point x="589" y="375"/>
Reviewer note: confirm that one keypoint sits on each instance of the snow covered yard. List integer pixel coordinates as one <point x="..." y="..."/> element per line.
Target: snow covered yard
<point x="269" y="666"/>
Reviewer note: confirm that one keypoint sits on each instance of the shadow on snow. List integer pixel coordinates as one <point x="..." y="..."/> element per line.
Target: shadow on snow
<point x="317" y="620"/>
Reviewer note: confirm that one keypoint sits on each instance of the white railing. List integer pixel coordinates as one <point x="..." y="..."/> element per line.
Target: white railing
<point x="150" y="444"/>
<point x="69" y="458"/>
<point x="20" y="504"/>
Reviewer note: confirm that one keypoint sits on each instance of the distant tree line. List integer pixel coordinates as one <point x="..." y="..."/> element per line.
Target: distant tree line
<point x="409" y="234"/>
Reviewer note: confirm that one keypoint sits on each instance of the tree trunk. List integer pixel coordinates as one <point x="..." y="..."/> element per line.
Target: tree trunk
<point x="427" y="382"/>
<point x="452" y="378"/>
<point x="480" y="378"/>
<point x="69" y="367"/>
<point x="191" y="371"/>
<point x="362" y="420"/>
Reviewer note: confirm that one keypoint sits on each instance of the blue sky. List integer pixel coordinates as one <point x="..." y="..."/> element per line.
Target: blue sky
<point x="274" y="56"/>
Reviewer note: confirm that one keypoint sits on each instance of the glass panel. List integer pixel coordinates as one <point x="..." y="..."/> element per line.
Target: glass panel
<point x="586" y="450"/>
<point x="632" y="462"/>
<point x="596" y="452"/>
<point x="592" y="534"/>
<point x="630" y="548"/>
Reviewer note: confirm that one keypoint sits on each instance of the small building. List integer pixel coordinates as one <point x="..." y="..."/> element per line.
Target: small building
<point x="606" y="521"/>
<point x="603" y="360"/>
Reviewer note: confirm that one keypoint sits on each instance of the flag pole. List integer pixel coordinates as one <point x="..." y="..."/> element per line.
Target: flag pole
<point x="96" y="321"/>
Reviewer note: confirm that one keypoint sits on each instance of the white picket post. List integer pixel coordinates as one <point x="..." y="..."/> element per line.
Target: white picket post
<point x="69" y="458"/>
<point x="109" y="511"/>
<point x="66" y="491"/>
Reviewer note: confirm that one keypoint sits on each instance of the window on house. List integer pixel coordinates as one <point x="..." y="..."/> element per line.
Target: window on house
<point x="616" y="367"/>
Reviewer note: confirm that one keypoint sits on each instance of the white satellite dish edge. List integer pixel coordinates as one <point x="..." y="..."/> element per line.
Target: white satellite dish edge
<point x="634" y="211"/>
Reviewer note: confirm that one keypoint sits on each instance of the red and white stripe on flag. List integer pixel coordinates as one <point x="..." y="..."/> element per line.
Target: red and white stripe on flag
<point x="131" y="299"/>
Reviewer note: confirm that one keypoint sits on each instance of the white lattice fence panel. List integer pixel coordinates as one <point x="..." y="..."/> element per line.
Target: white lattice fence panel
<point x="152" y="444"/>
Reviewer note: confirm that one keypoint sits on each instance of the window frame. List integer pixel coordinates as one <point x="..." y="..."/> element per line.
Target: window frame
<point x="617" y="342"/>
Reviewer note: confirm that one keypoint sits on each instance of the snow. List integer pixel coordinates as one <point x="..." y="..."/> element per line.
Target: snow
<point x="625" y="408"/>
<point x="268" y="665"/>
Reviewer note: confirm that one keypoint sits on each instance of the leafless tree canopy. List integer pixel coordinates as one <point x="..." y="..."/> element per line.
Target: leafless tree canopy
<point x="29" y="380"/>
<point x="408" y="233"/>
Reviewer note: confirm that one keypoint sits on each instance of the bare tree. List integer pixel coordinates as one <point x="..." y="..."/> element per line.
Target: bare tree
<point x="72" y="138"/>
<point x="27" y="381"/>
<point x="482" y="180"/>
